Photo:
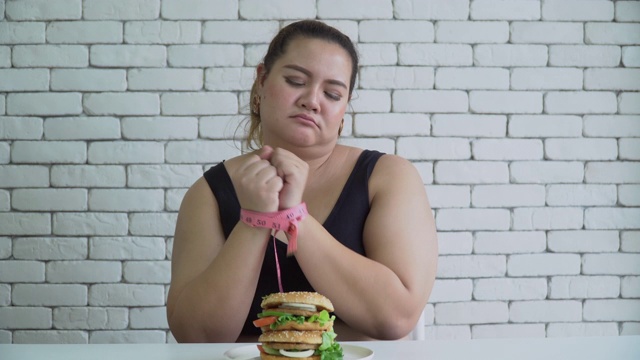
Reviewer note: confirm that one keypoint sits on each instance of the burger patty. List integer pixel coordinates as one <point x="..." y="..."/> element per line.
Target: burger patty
<point x="292" y="337"/>
<point x="291" y="346"/>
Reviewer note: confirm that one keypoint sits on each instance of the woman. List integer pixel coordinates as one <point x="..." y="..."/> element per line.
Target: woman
<point x="368" y="243"/>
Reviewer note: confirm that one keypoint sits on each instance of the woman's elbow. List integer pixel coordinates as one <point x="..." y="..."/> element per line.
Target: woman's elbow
<point x="395" y="330"/>
<point x="184" y="331"/>
<point x="396" y="327"/>
<point x="187" y="331"/>
<point x="181" y="333"/>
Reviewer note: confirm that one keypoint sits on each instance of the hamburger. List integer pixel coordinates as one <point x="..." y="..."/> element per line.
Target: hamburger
<point x="297" y="325"/>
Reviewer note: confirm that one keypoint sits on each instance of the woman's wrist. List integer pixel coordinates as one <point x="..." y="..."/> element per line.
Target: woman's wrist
<point x="283" y="220"/>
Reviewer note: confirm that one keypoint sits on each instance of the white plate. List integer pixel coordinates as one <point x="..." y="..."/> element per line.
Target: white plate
<point x="250" y="352"/>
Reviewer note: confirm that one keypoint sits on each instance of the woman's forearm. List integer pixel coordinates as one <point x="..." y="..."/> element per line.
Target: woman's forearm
<point x="367" y="294"/>
<point x="214" y="305"/>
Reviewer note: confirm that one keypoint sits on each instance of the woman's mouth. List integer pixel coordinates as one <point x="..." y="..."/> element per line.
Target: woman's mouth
<point x="305" y="118"/>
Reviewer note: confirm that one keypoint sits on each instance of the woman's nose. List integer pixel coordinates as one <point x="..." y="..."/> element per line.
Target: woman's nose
<point x="309" y="100"/>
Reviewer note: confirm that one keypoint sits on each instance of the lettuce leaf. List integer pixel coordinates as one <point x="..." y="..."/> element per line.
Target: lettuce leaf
<point x="322" y="317"/>
<point x="270" y="351"/>
<point x="285" y="319"/>
<point x="328" y="338"/>
<point x="333" y="353"/>
<point x="329" y="349"/>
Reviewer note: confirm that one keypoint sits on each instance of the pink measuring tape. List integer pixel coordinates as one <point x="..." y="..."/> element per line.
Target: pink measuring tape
<point x="284" y="220"/>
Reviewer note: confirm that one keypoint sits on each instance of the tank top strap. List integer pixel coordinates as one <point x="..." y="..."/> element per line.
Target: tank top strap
<point x="229" y="207"/>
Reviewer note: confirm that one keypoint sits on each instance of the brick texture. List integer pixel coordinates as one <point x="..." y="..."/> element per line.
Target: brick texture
<point x="522" y="118"/>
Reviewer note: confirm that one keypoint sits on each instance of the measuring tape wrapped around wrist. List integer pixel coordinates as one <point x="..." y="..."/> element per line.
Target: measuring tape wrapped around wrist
<point x="284" y="220"/>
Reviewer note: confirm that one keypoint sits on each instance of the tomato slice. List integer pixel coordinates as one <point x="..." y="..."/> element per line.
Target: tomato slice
<point x="267" y="320"/>
<point x="261" y="349"/>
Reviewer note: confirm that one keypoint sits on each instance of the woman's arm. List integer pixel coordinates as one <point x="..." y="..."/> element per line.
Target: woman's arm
<point x="381" y="295"/>
<point x="213" y="281"/>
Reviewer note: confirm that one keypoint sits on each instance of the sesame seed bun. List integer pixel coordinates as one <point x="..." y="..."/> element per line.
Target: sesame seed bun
<point x="300" y="297"/>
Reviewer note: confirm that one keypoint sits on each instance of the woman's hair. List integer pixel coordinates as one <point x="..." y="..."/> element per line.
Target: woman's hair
<point x="312" y="29"/>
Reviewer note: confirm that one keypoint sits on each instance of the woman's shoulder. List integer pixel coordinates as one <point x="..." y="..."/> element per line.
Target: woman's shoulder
<point x="385" y="162"/>
<point x="232" y="163"/>
<point x="395" y="162"/>
<point x="198" y="196"/>
<point x="393" y="171"/>
<point x="215" y="177"/>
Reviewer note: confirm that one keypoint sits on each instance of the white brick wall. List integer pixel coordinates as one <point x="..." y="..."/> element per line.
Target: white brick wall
<point x="521" y="116"/>
<point x="44" y="10"/>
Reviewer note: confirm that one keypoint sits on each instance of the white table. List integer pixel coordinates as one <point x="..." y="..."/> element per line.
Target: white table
<point x="584" y="348"/>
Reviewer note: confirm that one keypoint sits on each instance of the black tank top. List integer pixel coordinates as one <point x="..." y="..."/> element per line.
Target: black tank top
<point x="345" y="222"/>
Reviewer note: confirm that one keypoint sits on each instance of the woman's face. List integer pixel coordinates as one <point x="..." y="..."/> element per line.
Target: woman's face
<point x="305" y="95"/>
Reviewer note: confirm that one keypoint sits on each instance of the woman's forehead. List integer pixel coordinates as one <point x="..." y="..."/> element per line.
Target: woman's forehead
<point x="317" y="56"/>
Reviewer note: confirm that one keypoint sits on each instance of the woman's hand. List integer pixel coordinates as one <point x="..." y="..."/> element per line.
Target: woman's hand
<point x="294" y="172"/>
<point x="257" y="182"/>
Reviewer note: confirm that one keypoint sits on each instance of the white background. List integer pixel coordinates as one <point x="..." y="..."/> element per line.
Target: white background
<point x="522" y="116"/>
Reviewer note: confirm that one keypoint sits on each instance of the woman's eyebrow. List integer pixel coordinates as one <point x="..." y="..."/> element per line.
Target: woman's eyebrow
<point x="308" y="73"/>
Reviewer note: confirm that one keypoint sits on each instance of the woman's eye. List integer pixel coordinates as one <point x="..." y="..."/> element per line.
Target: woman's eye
<point x="333" y="96"/>
<point x="294" y="82"/>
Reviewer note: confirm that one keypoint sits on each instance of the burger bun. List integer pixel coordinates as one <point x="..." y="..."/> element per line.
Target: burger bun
<point x="300" y="297"/>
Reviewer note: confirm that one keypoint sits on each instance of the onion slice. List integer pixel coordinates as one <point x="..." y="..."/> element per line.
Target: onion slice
<point x="299" y="306"/>
<point x="297" y="354"/>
